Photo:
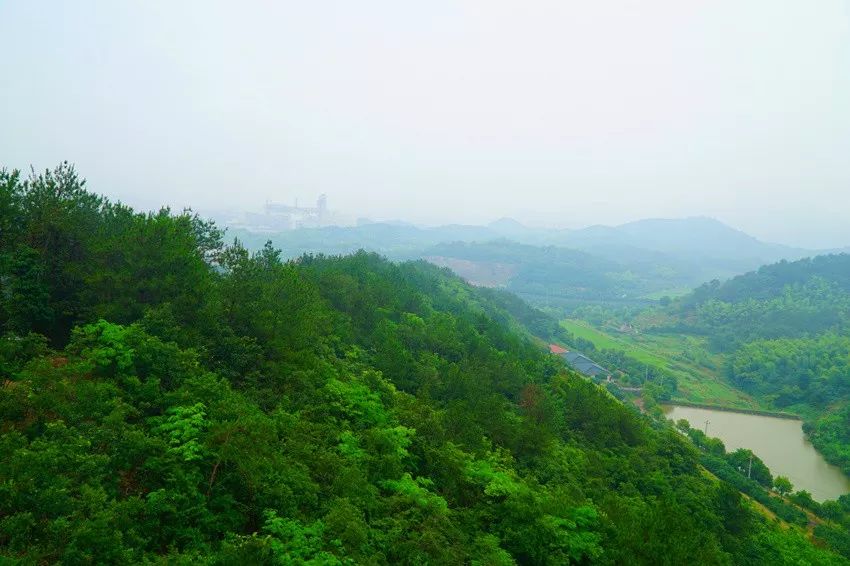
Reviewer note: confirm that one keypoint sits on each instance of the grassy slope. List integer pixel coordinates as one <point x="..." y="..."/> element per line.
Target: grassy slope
<point x="684" y="356"/>
<point x="673" y="293"/>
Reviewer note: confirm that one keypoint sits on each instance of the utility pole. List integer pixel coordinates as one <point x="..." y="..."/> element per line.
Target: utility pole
<point x="706" y="428"/>
<point x="750" y="468"/>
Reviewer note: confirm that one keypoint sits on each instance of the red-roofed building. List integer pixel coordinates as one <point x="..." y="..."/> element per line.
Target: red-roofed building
<point x="557" y="350"/>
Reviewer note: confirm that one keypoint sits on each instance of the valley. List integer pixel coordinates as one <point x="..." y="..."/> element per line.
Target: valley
<point x="695" y="369"/>
<point x="773" y="340"/>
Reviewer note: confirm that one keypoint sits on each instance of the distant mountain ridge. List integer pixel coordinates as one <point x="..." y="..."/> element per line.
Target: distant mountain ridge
<point x="692" y="234"/>
<point x="700" y="235"/>
<point x="645" y="256"/>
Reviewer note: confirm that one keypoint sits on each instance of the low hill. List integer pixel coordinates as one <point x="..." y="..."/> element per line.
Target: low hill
<point x="771" y="281"/>
<point x="786" y="299"/>
<point x="701" y="236"/>
<point x="713" y="249"/>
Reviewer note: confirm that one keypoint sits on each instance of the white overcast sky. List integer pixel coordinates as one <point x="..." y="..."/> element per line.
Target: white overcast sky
<point x="558" y="113"/>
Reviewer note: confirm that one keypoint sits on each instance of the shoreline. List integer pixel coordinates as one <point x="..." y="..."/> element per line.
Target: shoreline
<point x="759" y="412"/>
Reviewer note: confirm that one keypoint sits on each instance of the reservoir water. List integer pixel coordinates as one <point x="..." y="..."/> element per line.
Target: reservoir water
<point x="780" y="443"/>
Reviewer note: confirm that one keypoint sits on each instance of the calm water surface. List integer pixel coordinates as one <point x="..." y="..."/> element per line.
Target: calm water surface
<point x="780" y="443"/>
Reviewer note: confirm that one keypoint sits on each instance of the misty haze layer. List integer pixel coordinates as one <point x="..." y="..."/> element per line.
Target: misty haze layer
<point x="563" y="114"/>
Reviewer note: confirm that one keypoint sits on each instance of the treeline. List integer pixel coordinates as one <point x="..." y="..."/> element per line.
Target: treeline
<point x="772" y="281"/>
<point x="169" y="399"/>
<point x="788" y="299"/>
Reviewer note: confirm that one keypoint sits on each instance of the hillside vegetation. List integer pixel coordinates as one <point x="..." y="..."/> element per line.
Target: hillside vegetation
<point x="170" y="399"/>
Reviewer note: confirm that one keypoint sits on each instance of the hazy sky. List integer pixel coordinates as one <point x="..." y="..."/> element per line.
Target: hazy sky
<point x="558" y="113"/>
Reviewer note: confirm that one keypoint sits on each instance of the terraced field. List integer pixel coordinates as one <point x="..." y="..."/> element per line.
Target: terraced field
<point x="698" y="371"/>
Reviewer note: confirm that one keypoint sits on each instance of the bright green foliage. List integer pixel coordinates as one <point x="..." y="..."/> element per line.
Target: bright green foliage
<point x="782" y="485"/>
<point x="105" y="346"/>
<point x="416" y="492"/>
<point x="294" y="543"/>
<point x="751" y="465"/>
<point x="794" y="370"/>
<point x="182" y="427"/>
<point x="167" y="399"/>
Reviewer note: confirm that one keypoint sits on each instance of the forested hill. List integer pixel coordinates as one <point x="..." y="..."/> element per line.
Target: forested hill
<point x="786" y="299"/>
<point x="170" y="399"/>
<point x="771" y="281"/>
